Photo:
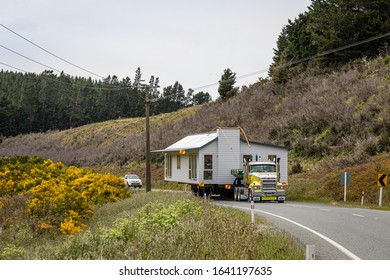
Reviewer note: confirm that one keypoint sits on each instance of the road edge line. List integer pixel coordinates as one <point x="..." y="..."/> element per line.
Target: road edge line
<point x="332" y="242"/>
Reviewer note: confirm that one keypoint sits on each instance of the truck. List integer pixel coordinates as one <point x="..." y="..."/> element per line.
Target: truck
<point x="223" y="163"/>
<point x="258" y="181"/>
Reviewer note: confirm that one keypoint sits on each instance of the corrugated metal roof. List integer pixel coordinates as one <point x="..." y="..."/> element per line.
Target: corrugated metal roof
<point x="192" y="142"/>
<point x="268" y="145"/>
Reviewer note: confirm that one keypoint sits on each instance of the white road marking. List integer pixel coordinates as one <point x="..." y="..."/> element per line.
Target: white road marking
<point x="357" y="215"/>
<point x="326" y="210"/>
<point x="332" y="242"/>
<point x="296" y="206"/>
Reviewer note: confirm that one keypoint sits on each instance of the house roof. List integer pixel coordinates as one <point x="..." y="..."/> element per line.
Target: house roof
<point x="198" y="141"/>
<point x="191" y="142"/>
<point x="268" y="145"/>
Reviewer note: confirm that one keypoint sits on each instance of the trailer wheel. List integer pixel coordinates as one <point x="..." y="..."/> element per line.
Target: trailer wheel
<point x="199" y="192"/>
<point x="194" y="189"/>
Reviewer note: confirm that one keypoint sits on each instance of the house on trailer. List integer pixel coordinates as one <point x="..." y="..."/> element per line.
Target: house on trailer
<point x="207" y="159"/>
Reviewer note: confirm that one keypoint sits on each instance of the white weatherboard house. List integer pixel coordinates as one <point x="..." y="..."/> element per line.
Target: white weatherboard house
<point x="208" y="158"/>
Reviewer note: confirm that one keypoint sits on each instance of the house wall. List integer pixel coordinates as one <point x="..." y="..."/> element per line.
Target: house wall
<point x="210" y="149"/>
<point x="228" y="154"/>
<point x="181" y="175"/>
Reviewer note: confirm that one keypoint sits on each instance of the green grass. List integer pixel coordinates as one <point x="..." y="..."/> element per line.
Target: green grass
<point x="161" y="225"/>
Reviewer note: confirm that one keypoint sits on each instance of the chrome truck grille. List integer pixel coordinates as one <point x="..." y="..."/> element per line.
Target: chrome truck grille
<point x="269" y="184"/>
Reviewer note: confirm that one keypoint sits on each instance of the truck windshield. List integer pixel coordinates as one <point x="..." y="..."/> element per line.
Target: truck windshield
<point x="263" y="168"/>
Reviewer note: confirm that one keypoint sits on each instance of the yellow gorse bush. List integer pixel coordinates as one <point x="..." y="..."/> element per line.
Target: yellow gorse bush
<point x="71" y="224"/>
<point x="61" y="197"/>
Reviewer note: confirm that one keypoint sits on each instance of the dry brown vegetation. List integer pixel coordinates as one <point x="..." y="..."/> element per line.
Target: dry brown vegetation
<point x="344" y="115"/>
<point x="330" y="121"/>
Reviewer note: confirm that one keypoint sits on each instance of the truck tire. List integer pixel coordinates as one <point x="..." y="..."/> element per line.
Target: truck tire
<point x="250" y="196"/>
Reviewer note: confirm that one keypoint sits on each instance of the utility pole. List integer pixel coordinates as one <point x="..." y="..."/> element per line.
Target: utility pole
<point x="148" y="89"/>
<point x="148" y="170"/>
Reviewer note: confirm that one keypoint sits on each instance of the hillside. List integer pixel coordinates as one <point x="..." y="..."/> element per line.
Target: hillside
<point x="41" y="102"/>
<point x="330" y="121"/>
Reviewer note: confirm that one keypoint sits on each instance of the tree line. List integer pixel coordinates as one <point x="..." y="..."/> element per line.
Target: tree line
<point x="33" y="102"/>
<point x="329" y="25"/>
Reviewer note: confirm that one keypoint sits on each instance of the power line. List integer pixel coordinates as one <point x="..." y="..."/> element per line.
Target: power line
<point x="45" y="50"/>
<point x="303" y="59"/>
<point x="89" y="87"/>
<point x="70" y="84"/>
<point x="10" y="66"/>
<point x="245" y="75"/>
<point x="15" y="52"/>
<point x="337" y="49"/>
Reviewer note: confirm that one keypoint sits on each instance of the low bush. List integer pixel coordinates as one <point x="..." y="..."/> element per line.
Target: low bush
<point x="52" y="197"/>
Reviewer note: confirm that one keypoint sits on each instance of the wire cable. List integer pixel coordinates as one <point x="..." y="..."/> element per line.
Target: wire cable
<point x="10" y="66"/>
<point x="70" y="84"/>
<point x="49" y="52"/>
<point x="303" y="59"/>
<point x="245" y="75"/>
<point x="15" y="52"/>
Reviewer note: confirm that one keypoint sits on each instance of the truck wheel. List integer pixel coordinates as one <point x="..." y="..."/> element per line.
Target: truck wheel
<point x="238" y="195"/>
<point x="235" y="194"/>
<point x="249" y="196"/>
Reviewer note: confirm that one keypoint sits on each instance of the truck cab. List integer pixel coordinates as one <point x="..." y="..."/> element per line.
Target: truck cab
<point x="258" y="181"/>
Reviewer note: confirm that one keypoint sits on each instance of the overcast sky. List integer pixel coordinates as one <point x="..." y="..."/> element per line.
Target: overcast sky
<point x="176" y="40"/>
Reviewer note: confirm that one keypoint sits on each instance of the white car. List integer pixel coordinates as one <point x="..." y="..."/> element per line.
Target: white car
<point x="132" y="180"/>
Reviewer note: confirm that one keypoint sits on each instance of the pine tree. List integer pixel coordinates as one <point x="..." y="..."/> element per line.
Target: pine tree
<point x="328" y="25"/>
<point x="226" y="87"/>
<point x="201" y="98"/>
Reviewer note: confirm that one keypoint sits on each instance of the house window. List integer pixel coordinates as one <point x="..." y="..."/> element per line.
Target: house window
<point x="192" y="168"/>
<point x="208" y="167"/>
<point x="247" y="158"/>
<point x="272" y="158"/>
<point x="168" y="166"/>
<point x="178" y="162"/>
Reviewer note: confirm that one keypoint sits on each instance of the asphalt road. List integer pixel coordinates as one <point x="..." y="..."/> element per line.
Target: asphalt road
<point x="337" y="232"/>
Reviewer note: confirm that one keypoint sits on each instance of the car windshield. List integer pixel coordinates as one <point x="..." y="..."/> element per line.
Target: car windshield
<point x="132" y="177"/>
<point x="263" y="168"/>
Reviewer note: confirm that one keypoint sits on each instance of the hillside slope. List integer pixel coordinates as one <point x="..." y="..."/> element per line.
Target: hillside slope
<point x="344" y="115"/>
<point x="333" y="123"/>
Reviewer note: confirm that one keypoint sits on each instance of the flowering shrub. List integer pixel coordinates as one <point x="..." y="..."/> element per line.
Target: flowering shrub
<point x="72" y="223"/>
<point x="61" y="197"/>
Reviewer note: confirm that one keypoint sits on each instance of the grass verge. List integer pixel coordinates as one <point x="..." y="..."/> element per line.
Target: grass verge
<point x="322" y="184"/>
<point x="160" y="225"/>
